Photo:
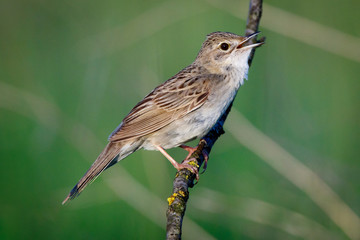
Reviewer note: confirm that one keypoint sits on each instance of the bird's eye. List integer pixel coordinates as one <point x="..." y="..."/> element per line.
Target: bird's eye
<point x="224" y="46"/>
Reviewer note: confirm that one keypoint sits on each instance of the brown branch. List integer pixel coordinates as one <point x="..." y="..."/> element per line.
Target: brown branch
<point x="185" y="178"/>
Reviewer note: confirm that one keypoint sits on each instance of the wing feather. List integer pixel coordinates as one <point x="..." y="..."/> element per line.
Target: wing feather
<point x="165" y="104"/>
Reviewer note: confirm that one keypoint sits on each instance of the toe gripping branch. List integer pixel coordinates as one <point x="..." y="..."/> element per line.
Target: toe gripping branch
<point x="196" y="159"/>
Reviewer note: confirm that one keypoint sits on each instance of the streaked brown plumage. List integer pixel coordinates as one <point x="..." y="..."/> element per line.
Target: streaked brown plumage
<point x="183" y="108"/>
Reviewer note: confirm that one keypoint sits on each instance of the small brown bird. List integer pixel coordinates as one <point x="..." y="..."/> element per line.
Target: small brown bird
<point x="181" y="109"/>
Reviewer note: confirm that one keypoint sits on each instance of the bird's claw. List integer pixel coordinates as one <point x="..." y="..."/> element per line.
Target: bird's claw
<point x="191" y="150"/>
<point x="206" y="158"/>
<point x="190" y="165"/>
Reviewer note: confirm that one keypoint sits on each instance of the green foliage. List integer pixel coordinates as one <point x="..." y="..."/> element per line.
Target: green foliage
<point x="71" y="70"/>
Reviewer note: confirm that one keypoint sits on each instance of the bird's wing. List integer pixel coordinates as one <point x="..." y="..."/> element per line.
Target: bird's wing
<point x="172" y="100"/>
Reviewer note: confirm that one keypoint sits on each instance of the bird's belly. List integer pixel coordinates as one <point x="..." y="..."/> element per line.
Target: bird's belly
<point x="177" y="133"/>
<point x="193" y="125"/>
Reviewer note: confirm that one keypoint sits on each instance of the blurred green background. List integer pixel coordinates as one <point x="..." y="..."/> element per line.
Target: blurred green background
<point x="71" y="70"/>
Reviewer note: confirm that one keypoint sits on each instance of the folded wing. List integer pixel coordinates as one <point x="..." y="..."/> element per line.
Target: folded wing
<point x="166" y="103"/>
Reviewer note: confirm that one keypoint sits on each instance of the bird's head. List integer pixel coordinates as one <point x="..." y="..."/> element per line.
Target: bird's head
<point x="223" y="52"/>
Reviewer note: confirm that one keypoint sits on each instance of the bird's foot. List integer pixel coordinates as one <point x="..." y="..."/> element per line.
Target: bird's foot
<point x="206" y="158"/>
<point x="190" y="164"/>
<point x="191" y="150"/>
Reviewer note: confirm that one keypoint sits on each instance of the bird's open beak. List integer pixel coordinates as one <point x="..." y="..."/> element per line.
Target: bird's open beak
<point x="241" y="45"/>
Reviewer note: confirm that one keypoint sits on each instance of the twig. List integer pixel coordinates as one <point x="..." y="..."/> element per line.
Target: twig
<point x="185" y="178"/>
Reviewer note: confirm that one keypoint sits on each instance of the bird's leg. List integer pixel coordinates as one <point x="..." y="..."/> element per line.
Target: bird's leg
<point x="177" y="165"/>
<point x="191" y="150"/>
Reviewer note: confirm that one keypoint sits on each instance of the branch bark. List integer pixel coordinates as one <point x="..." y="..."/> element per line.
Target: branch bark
<point x="184" y="178"/>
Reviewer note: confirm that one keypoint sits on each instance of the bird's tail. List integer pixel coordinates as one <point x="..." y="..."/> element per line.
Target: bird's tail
<point x="113" y="152"/>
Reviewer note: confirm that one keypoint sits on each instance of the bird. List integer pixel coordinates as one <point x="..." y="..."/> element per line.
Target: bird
<point x="183" y="108"/>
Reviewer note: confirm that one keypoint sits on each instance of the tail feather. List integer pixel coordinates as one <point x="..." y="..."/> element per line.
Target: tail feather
<point x="104" y="160"/>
